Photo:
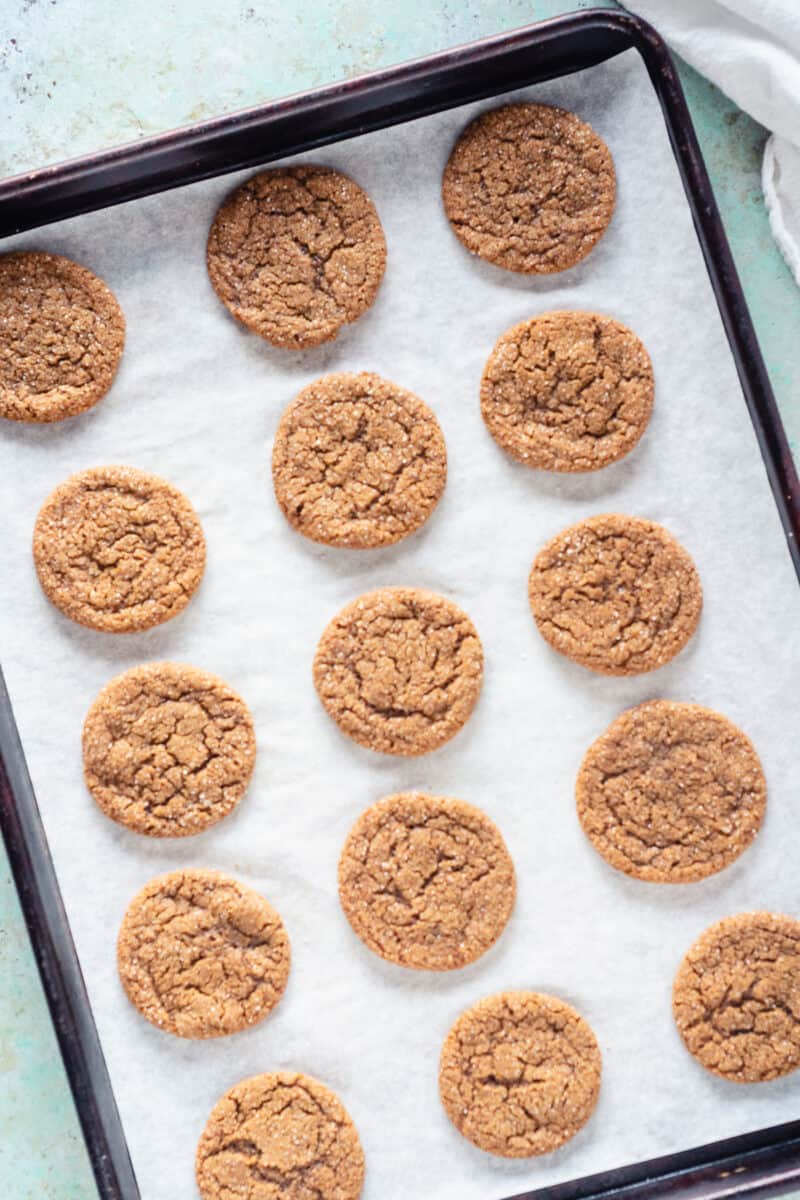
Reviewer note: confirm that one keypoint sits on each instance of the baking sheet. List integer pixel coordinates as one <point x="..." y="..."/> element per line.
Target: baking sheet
<point x="197" y="400"/>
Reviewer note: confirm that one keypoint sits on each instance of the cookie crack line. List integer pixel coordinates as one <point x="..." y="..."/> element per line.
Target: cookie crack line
<point x="399" y="670"/>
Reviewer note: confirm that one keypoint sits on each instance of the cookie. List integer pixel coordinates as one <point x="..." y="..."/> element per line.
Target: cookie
<point x="671" y="792"/>
<point x="168" y="750"/>
<point x="358" y="462"/>
<point x="63" y="336"/>
<point x="201" y="955"/>
<point x="567" y="391"/>
<point x="280" y="1135"/>
<point x="399" y="670"/>
<point x="736" y="997"/>
<point x="530" y="188"/>
<point x="118" y="550"/>
<point x="296" y="253"/>
<point x="426" y="881"/>
<point x="616" y="594"/>
<point x="519" y="1074"/>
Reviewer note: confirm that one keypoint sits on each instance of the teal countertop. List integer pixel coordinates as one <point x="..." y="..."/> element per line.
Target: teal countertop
<point x="75" y="78"/>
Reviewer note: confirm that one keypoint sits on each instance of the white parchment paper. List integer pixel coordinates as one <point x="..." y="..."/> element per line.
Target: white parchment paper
<point x="197" y="400"/>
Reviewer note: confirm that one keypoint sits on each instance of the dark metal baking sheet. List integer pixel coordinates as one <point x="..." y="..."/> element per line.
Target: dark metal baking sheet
<point x="763" y="1162"/>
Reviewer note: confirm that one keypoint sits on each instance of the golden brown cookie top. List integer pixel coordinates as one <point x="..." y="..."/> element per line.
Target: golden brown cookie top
<point x="426" y="881"/>
<point x="295" y="253"/>
<point x="281" y="1134"/>
<point x="567" y="391"/>
<point x="168" y="750"/>
<point x="358" y="461"/>
<point x="201" y="955"/>
<point x="529" y="187"/>
<point x="118" y="550"/>
<point x="63" y="336"/>
<point x="616" y="594"/>
<point x="399" y="670"/>
<point x="736" y="997"/>
<point x="519" y="1074"/>
<point x="671" y="792"/>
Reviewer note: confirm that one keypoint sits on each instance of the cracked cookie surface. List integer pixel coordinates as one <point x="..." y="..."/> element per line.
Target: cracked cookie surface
<point x="567" y="391"/>
<point x="519" y="1074"/>
<point x="200" y="955"/>
<point x="399" y="670"/>
<point x="616" y="594"/>
<point x="118" y="550"/>
<point x="426" y="881"/>
<point x="168" y="750"/>
<point x="736" y="997"/>
<point x="358" y="461"/>
<point x="63" y="336"/>
<point x="295" y="253"/>
<point x="529" y="187"/>
<point x="280" y="1134"/>
<point x="671" y="792"/>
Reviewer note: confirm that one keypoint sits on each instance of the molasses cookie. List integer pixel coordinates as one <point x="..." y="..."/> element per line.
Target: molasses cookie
<point x="616" y="594"/>
<point x="519" y="1074"/>
<point x="358" y="461"/>
<point x="168" y="750"/>
<point x="118" y="550"/>
<point x="567" y="391"/>
<point x="736" y="998"/>
<point x="296" y="253"/>
<point x="426" y="881"/>
<point x="399" y="670"/>
<point x="529" y="187"/>
<point x="201" y="955"/>
<point x="671" y="792"/>
<point x="280" y="1134"/>
<point x="63" y="336"/>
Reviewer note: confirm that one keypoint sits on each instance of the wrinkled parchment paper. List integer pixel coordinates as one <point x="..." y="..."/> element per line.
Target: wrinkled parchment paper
<point x="197" y="400"/>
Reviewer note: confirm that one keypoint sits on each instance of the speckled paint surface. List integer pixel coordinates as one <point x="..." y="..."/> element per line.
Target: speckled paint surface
<point x="78" y="75"/>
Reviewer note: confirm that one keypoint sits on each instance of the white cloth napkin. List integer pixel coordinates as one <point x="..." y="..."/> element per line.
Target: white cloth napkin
<point x="751" y="50"/>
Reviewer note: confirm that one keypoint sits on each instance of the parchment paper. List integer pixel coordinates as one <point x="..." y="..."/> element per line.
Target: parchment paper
<point x="197" y="401"/>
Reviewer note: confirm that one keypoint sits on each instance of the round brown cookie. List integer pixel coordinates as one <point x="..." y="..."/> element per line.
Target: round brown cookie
<point x="280" y="1135"/>
<point x="358" y="461"/>
<point x="529" y="187"/>
<point x="616" y="594"/>
<point x="426" y="881"/>
<point x="519" y="1074"/>
<point x="399" y="670"/>
<point x="736" y="997"/>
<point x="567" y="391"/>
<point x="295" y="253"/>
<point x="63" y="335"/>
<point x="671" y="792"/>
<point x="201" y="955"/>
<point x="168" y="750"/>
<point x="118" y="550"/>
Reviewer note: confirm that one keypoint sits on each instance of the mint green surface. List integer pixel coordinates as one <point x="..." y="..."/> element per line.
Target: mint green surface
<point x="76" y="76"/>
